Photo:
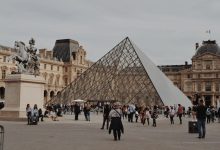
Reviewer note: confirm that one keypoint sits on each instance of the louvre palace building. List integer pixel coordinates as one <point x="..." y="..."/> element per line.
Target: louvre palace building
<point x="58" y="67"/>
<point x="67" y="60"/>
<point x="201" y="79"/>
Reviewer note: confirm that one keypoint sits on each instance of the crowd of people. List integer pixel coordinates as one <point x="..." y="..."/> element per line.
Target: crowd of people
<point x="114" y="113"/>
<point x="199" y="113"/>
<point x="33" y="114"/>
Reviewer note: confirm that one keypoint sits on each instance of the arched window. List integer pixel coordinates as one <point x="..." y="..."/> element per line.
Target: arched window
<point x="45" y="93"/>
<point x="58" y="93"/>
<point x="51" y="94"/>
<point x="2" y="92"/>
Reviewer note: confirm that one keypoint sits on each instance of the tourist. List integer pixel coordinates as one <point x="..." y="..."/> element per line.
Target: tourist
<point x="143" y="116"/>
<point x="218" y="115"/>
<point x="208" y="115"/>
<point x="154" y="116"/>
<point x="136" y="115"/>
<point x="46" y="113"/>
<point x="148" y="115"/>
<point x="106" y="111"/>
<point x="125" y="111"/>
<point x="180" y="112"/>
<point x="201" y="117"/>
<point x="86" y="111"/>
<point x="194" y="112"/>
<point x="28" y="113"/>
<point x="71" y="109"/>
<point x="53" y="115"/>
<point x="40" y="113"/>
<point x="167" y="110"/>
<point x="213" y="114"/>
<point x="34" y="115"/>
<point x="172" y="114"/>
<point x="131" y="111"/>
<point x="116" y="123"/>
<point x="189" y="111"/>
<point x="76" y="110"/>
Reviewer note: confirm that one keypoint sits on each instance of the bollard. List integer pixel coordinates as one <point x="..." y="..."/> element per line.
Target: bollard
<point x="1" y="137"/>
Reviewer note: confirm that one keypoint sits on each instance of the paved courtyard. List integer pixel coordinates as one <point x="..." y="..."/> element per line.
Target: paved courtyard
<point x="67" y="134"/>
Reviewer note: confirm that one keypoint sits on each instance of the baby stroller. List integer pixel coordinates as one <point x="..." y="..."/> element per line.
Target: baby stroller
<point x="34" y="118"/>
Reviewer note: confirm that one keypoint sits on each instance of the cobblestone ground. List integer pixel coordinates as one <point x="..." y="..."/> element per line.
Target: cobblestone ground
<point x="67" y="134"/>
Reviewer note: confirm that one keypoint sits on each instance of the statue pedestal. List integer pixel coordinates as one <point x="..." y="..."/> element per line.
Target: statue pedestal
<point x="20" y="90"/>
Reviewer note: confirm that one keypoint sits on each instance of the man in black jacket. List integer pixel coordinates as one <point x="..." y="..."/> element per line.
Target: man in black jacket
<point x="76" y="110"/>
<point x="201" y="117"/>
<point x="106" y="111"/>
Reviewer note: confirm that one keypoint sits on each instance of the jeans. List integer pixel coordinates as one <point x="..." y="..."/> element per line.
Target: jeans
<point x="171" y="120"/>
<point x="154" y="122"/>
<point x="201" y="127"/>
<point x="130" y="117"/>
<point x="105" y="119"/>
<point x="180" y="118"/>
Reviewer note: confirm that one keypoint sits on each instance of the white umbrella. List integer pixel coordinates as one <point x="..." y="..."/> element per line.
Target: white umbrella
<point x="79" y="100"/>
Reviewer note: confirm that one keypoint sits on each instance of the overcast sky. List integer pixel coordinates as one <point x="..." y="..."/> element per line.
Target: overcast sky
<point x="166" y="30"/>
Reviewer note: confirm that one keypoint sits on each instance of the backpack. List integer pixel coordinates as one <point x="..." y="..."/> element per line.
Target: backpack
<point x="208" y="112"/>
<point x="154" y="115"/>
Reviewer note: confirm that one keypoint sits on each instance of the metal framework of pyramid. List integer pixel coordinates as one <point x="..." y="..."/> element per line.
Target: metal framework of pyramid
<point x="124" y="74"/>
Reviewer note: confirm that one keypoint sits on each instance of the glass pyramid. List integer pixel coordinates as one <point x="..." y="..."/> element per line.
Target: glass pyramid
<point x="124" y="74"/>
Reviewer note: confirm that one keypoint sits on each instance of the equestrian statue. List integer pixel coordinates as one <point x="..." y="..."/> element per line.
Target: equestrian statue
<point x="26" y="58"/>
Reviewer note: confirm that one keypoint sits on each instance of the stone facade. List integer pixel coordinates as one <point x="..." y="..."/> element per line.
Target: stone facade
<point x="56" y="72"/>
<point x="201" y="80"/>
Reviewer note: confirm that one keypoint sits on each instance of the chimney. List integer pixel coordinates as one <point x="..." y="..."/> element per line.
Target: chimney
<point x="197" y="45"/>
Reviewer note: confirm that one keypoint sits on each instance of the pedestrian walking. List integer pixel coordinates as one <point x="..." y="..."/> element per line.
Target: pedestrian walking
<point x="218" y="115"/>
<point x="208" y="115"/>
<point x="86" y="111"/>
<point x="143" y="116"/>
<point x="76" y="110"/>
<point x="180" y="112"/>
<point x="106" y="111"/>
<point x="40" y="113"/>
<point x="131" y="111"/>
<point x="201" y="117"/>
<point x="172" y="114"/>
<point x="154" y="116"/>
<point x="116" y="123"/>
<point x="136" y="116"/>
<point x="148" y="116"/>
<point x="28" y="113"/>
<point x="125" y="111"/>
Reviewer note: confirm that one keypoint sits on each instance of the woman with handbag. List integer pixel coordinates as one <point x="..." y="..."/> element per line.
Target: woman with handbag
<point x="116" y="123"/>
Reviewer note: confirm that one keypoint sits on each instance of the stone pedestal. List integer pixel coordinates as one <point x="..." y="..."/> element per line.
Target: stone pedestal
<point x="20" y="90"/>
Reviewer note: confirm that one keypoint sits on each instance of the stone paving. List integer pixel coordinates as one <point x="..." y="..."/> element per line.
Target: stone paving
<point x="68" y="134"/>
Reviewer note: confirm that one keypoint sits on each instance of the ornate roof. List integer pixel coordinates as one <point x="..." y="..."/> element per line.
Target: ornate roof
<point x="64" y="48"/>
<point x="208" y="47"/>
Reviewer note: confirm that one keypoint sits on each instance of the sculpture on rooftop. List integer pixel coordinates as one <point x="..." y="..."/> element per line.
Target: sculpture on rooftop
<point x="26" y="58"/>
